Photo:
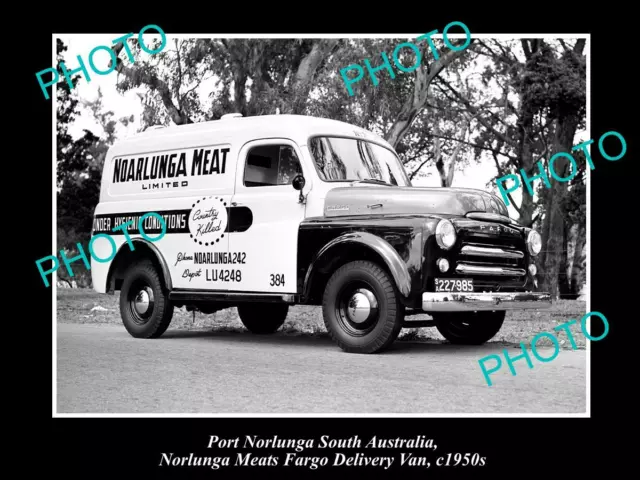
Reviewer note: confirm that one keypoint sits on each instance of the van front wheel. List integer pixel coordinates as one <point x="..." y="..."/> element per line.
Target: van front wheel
<point x="361" y="308"/>
<point x="144" y="307"/>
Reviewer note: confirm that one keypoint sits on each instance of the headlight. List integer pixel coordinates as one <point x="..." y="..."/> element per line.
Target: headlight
<point x="445" y="234"/>
<point x="443" y="264"/>
<point x="534" y="243"/>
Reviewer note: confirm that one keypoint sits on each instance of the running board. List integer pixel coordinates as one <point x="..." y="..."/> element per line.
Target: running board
<point x="177" y="295"/>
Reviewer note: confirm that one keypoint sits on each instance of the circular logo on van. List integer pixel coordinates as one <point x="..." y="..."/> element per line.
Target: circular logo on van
<point x="208" y="220"/>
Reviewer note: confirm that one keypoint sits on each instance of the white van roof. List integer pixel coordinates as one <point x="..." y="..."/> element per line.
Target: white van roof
<point x="239" y="130"/>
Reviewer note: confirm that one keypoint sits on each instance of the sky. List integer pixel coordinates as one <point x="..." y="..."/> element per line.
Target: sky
<point x="475" y="175"/>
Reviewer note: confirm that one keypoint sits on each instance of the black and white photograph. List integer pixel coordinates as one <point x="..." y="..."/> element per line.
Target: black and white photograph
<point x="322" y="225"/>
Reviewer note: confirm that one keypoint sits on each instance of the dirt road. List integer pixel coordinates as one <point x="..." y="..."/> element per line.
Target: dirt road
<point x="101" y="369"/>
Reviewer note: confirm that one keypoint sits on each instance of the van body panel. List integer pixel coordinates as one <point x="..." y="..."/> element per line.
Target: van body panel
<point x="345" y="201"/>
<point x="237" y="231"/>
<point x="268" y="246"/>
<point x="221" y="234"/>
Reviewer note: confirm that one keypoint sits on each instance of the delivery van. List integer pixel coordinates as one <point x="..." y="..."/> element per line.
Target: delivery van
<point x="262" y="213"/>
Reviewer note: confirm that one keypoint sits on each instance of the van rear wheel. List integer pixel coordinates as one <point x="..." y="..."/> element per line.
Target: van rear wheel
<point x="361" y="308"/>
<point x="144" y="307"/>
<point x="263" y="318"/>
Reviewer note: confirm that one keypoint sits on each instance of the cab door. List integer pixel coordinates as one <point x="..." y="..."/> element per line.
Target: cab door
<point x="266" y="214"/>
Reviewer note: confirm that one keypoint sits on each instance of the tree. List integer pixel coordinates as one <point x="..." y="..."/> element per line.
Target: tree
<point x="540" y="106"/>
<point x="299" y="76"/>
<point x="442" y="136"/>
<point x="566" y="102"/>
<point x="79" y="166"/>
<point x="80" y="169"/>
<point x="67" y="107"/>
<point x="69" y="158"/>
<point x="255" y="76"/>
<point x="575" y="207"/>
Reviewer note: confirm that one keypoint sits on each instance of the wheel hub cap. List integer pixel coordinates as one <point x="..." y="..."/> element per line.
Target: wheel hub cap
<point x="143" y="301"/>
<point x="361" y="306"/>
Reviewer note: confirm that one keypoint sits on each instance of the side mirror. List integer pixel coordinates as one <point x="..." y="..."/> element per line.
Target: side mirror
<point x="298" y="182"/>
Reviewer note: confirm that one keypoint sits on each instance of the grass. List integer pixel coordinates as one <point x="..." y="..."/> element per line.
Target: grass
<point x="76" y="306"/>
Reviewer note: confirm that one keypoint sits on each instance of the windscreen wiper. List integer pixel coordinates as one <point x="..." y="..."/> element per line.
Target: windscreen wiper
<point x="373" y="180"/>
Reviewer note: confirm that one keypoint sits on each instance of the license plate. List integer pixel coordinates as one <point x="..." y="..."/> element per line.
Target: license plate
<point x="453" y="285"/>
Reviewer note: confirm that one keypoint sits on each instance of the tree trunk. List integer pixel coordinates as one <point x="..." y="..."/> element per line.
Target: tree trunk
<point x="554" y="218"/>
<point x="416" y="102"/>
<point x="553" y="246"/>
<point x="527" y="209"/>
<point x="564" y="289"/>
<point x="544" y="232"/>
<point x="437" y="156"/>
<point x="307" y="69"/>
<point x="578" y="257"/>
<point x="525" y="160"/>
<point x="446" y="179"/>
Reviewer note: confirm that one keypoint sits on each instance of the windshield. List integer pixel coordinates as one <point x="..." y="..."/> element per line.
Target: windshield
<point x="350" y="159"/>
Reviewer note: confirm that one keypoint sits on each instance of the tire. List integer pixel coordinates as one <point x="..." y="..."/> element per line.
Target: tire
<point x="153" y="322"/>
<point x="352" y="331"/>
<point x="263" y="318"/>
<point x="469" y="328"/>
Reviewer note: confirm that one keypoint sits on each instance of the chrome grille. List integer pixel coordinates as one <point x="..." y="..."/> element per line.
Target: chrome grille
<point x="490" y="259"/>
<point x="463" y="269"/>
<point x="495" y="262"/>
<point x="494" y="252"/>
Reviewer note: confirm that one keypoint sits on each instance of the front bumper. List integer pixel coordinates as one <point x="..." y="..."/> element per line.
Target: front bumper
<point x="471" y="302"/>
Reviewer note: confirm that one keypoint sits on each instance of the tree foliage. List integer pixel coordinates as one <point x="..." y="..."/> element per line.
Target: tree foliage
<point x="299" y="76"/>
<point x="79" y="166"/>
<point x="506" y="103"/>
<point x="528" y="104"/>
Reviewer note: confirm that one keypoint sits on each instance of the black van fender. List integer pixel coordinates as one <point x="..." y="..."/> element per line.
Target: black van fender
<point x="126" y="256"/>
<point x="396" y="266"/>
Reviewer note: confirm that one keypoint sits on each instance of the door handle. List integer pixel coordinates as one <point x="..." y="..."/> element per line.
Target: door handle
<point x="375" y="205"/>
<point x="234" y="204"/>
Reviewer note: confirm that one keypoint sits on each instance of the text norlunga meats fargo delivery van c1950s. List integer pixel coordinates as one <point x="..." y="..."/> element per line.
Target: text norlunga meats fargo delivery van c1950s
<point x="266" y="212"/>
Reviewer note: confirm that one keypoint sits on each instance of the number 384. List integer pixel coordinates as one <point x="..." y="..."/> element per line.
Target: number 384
<point x="455" y="459"/>
<point x="277" y="280"/>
